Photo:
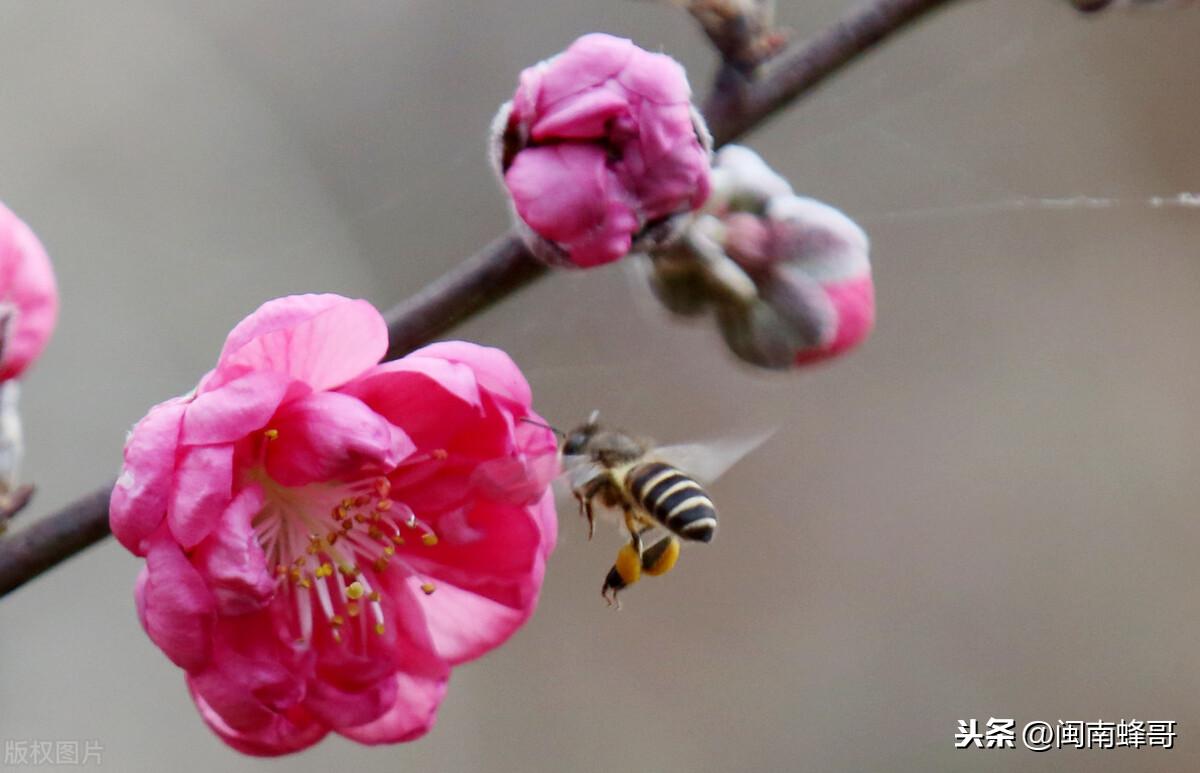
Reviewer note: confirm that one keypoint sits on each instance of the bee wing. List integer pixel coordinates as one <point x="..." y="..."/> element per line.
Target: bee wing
<point x="708" y="461"/>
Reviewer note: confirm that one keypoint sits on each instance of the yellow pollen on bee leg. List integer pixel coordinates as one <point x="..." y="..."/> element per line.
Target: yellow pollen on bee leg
<point x="428" y="588"/>
<point x="430" y="539"/>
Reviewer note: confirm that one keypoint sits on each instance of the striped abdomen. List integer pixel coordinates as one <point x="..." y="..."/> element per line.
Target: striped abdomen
<point x="673" y="499"/>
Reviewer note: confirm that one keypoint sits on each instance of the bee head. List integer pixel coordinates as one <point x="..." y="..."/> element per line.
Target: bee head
<point x="577" y="439"/>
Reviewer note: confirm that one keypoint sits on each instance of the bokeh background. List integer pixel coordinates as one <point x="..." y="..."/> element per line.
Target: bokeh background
<point x="989" y="510"/>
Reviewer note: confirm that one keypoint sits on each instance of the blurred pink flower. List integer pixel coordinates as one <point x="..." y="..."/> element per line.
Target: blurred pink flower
<point x="28" y="295"/>
<point x="600" y="146"/>
<point x="788" y="276"/>
<point x="326" y="536"/>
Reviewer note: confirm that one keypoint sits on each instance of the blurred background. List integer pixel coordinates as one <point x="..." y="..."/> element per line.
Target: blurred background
<point x="988" y="510"/>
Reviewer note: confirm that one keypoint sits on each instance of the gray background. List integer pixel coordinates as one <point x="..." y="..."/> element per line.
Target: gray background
<point x="989" y="510"/>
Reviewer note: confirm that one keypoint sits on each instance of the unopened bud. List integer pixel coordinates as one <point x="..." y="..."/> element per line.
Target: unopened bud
<point x="601" y="152"/>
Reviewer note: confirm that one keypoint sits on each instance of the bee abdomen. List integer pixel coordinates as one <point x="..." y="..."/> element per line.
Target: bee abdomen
<point x="674" y="500"/>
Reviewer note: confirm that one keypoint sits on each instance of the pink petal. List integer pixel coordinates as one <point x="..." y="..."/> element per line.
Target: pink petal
<point x="202" y="491"/>
<point x="283" y="734"/>
<point x="589" y="61"/>
<point x="175" y="606"/>
<point x="466" y="624"/>
<point x="234" y="410"/>
<point x="232" y="560"/>
<point x="139" y="500"/>
<point x="655" y="77"/>
<point x="497" y="552"/>
<point x="340" y="706"/>
<point x="332" y="436"/>
<point x="494" y="370"/>
<point x="28" y="284"/>
<point x="323" y="341"/>
<point x="430" y="398"/>
<point x="410" y="717"/>
<point x="585" y="115"/>
<point x="567" y="194"/>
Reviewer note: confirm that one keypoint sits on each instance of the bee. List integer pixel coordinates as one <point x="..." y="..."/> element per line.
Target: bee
<point x="655" y="488"/>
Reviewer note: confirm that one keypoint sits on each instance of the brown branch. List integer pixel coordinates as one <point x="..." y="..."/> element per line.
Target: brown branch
<point x="739" y="104"/>
<point x="505" y="266"/>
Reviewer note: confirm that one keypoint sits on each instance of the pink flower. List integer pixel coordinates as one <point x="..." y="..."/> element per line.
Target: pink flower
<point x="326" y="536"/>
<point x="28" y="296"/>
<point x="601" y="146"/>
<point x="788" y="277"/>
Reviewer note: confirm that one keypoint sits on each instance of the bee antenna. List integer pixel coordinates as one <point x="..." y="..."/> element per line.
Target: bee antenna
<point x="544" y="425"/>
<point x="595" y="415"/>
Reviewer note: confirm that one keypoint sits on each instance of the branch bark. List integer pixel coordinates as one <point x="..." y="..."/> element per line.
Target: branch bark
<point x="505" y="266"/>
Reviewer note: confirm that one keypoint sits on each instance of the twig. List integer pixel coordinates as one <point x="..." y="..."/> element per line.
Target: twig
<point x="505" y="266"/>
<point x="739" y="104"/>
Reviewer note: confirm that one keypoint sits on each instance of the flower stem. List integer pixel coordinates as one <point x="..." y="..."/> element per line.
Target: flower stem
<point x="505" y="266"/>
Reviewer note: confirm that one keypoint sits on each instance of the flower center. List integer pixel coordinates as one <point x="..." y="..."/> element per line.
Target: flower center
<point x="325" y="542"/>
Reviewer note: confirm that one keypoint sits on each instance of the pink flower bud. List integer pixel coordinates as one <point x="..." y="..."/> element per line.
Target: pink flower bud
<point x="326" y="536"/>
<point x="601" y="152"/>
<point x="788" y="276"/>
<point x="28" y="296"/>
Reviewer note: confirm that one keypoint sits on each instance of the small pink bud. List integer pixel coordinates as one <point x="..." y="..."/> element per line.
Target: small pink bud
<point x="601" y="151"/>
<point x="810" y="293"/>
<point x="28" y="296"/>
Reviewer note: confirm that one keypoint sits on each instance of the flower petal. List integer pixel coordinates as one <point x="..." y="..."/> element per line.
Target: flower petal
<point x="282" y="734"/>
<point x="234" y="410"/>
<point x="493" y="368"/>
<point x="175" y="606"/>
<point x="232" y="560"/>
<point x="410" y="717"/>
<point x="332" y="436"/>
<point x="30" y="286"/>
<point x="202" y="491"/>
<point x="323" y="341"/>
<point x="139" y="500"/>
<point x="430" y="398"/>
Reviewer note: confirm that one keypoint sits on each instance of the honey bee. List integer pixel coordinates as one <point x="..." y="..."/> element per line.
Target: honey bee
<point x="655" y="488"/>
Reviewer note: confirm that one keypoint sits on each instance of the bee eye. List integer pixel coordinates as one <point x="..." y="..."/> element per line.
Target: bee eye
<point x="575" y="443"/>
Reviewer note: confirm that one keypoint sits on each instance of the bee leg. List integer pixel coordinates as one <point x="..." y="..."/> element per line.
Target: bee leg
<point x="660" y="557"/>
<point x="635" y="531"/>
<point x="585" y="511"/>
<point x="625" y="572"/>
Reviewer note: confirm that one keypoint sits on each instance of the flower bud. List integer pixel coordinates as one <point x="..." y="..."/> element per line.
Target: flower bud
<point x="28" y="296"/>
<point x="602" y="152"/>
<point x="788" y="277"/>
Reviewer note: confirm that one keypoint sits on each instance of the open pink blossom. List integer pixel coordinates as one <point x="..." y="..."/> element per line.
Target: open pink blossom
<point x="600" y="148"/>
<point x="28" y="296"/>
<point x="326" y="536"/>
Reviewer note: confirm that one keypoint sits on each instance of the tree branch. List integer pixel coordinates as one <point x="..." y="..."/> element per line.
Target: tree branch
<point x="505" y="266"/>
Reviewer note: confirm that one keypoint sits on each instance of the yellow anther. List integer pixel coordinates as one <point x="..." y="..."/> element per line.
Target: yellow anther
<point x="337" y="636"/>
<point x="383" y="486"/>
<point x="337" y="620"/>
<point x="332" y="537"/>
<point x="381" y="563"/>
<point x="374" y="533"/>
<point x="325" y="570"/>
<point x="383" y="505"/>
<point x="352" y="609"/>
<point x="374" y="596"/>
<point x="379" y="628"/>
<point x="428" y="587"/>
<point x="429" y="539"/>
<point x="305" y="582"/>
<point x="280" y="569"/>
<point x="397" y="539"/>
<point x="355" y="590"/>
<point x="271" y="434"/>
<point x="388" y="550"/>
